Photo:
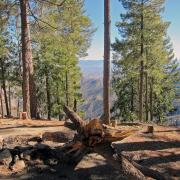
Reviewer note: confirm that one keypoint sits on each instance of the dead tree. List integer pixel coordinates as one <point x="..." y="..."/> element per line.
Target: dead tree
<point x="97" y="137"/>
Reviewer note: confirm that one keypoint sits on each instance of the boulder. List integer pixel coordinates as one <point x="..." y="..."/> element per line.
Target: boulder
<point x="41" y="146"/>
<point x="11" y="142"/>
<point x="18" y="166"/>
<point x="56" y="136"/>
<point x="4" y="171"/>
<point x="26" y="155"/>
<point x="5" y="157"/>
<point x="1" y="142"/>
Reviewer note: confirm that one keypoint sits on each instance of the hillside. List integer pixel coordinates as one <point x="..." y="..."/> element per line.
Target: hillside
<point x="92" y="87"/>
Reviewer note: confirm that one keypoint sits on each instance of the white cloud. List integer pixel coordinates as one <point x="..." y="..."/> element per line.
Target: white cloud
<point x="176" y="46"/>
<point x="95" y="53"/>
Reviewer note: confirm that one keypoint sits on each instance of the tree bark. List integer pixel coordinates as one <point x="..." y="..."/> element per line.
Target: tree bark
<point x="4" y="88"/>
<point x="78" y="122"/>
<point x="48" y="94"/>
<point x="132" y="98"/>
<point x="9" y="92"/>
<point x="18" y="104"/>
<point x="75" y="105"/>
<point x="2" y="109"/>
<point x="146" y="99"/>
<point x="26" y="55"/>
<point x="106" y="76"/>
<point x="67" y="89"/>
<point x="141" y="66"/>
<point x="151" y="99"/>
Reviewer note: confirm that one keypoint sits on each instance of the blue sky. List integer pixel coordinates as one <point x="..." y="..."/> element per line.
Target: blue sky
<point x="94" y="9"/>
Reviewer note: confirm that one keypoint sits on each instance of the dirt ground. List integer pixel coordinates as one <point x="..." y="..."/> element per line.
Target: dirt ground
<point x="160" y="151"/>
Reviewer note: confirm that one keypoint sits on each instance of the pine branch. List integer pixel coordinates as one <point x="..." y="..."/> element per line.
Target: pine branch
<point x="38" y="19"/>
<point x="51" y="3"/>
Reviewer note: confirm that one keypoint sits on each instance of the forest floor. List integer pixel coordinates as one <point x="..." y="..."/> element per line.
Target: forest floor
<point x="159" y="151"/>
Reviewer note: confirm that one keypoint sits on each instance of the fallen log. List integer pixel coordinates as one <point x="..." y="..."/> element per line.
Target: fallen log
<point x="98" y="138"/>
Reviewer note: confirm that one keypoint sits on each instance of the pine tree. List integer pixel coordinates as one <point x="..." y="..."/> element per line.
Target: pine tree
<point x="59" y="45"/>
<point x="141" y="49"/>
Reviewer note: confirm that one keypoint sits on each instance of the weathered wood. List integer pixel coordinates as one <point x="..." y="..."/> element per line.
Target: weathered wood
<point x="150" y="129"/>
<point x="119" y="162"/>
<point x="78" y="122"/>
<point x="94" y="135"/>
<point x="23" y="115"/>
<point x="148" y="172"/>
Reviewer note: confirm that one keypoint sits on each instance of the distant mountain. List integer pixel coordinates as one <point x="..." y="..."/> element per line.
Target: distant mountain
<point x="92" y="87"/>
<point x="91" y="67"/>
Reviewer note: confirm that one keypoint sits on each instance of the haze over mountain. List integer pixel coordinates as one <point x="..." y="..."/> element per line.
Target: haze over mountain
<point x="92" y="87"/>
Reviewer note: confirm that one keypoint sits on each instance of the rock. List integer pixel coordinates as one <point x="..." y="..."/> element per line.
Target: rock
<point x="52" y="162"/>
<point x="1" y="142"/>
<point x="26" y="155"/>
<point x="5" y="157"/>
<point x="11" y="142"/>
<point x="4" y="171"/>
<point x="42" y="167"/>
<point x="52" y="170"/>
<point x="18" y="166"/>
<point x="56" y="136"/>
<point x="41" y="146"/>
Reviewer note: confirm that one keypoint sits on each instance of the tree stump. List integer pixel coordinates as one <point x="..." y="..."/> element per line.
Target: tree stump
<point x="23" y="115"/>
<point x="150" y="129"/>
<point x="113" y="123"/>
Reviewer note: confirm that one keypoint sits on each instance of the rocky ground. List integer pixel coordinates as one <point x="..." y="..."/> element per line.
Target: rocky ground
<point x="30" y="149"/>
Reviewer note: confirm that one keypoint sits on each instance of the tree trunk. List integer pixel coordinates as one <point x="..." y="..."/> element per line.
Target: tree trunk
<point x="18" y="104"/>
<point x="146" y="100"/>
<point x="132" y="98"/>
<point x="48" y="94"/>
<point x="32" y="90"/>
<point x="26" y="55"/>
<point x="2" y="109"/>
<point x="106" y="76"/>
<point x="141" y="67"/>
<point x="151" y="99"/>
<point x="75" y="105"/>
<point x="9" y="92"/>
<point x="4" y="88"/>
<point x="67" y="89"/>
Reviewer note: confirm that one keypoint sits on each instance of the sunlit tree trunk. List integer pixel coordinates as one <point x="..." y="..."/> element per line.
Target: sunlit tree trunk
<point x="2" y="109"/>
<point x="106" y="78"/>
<point x="141" y="67"/>
<point x="29" y="93"/>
